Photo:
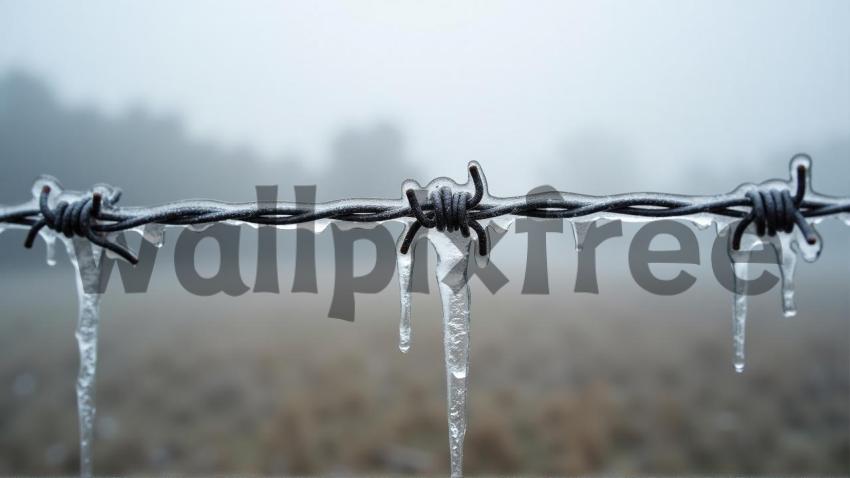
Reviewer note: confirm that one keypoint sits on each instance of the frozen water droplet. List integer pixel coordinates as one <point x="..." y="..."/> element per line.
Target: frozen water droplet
<point x="482" y="261"/>
<point x="580" y="229"/>
<point x="200" y="227"/>
<point x="320" y="225"/>
<point x="405" y="269"/>
<point x="154" y="233"/>
<point x="702" y="221"/>
<point x="452" y="263"/>
<point x="494" y="229"/>
<point x="49" y="245"/>
<point x="503" y="222"/>
<point x="722" y="224"/>
<point x="45" y="180"/>
<point x="459" y="373"/>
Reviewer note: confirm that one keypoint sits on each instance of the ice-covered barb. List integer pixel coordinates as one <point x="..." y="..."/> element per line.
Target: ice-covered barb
<point x="75" y="214"/>
<point x="448" y="207"/>
<point x="449" y="231"/>
<point x="85" y="258"/>
<point x="778" y="222"/>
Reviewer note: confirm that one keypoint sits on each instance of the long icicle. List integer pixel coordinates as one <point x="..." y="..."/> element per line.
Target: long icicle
<point x="787" y="260"/>
<point x="452" y="263"/>
<point x="739" y="327"/>
<point x="85" y="258"/>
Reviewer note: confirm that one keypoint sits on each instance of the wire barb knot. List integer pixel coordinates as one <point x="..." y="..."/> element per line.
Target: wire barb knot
<point x="774" y="210"/>
<point x="77" y="217"/>
<point x="448" y="211"/>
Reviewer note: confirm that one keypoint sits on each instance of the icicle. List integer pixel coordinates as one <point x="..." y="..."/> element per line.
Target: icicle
<point x="786" y="246"/>
<point x="739" y="327"/>
<point x="740" y="265"/>
<point x="86" y="261"/>
<point x="787" y="258"/>
<point x="405" y="269"/>
<point x="453" y="251"/>
<point x="452" y="263"/>
<point x="789" y="245"/>
<point x="49" y="245"/>
<point x="503" y="224"/>
<point x="453" y="256"/>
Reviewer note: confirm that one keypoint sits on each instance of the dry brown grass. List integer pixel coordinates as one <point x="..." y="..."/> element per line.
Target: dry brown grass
<point x="268" y="385"/>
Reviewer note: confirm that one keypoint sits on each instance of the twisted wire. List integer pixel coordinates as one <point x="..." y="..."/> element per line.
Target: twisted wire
<point x="449" y="212"/>
<point x="774" y="210"/>
<point x="94" y="216"/>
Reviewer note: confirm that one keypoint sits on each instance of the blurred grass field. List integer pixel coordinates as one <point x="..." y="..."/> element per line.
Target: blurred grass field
<point x="617" y="383"/>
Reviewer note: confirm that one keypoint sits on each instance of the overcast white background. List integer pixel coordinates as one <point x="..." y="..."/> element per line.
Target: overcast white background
<point x="674" y="85"/>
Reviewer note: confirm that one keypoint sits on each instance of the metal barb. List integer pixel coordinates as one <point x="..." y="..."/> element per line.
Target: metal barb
<point x="75" y="218"/>
<point x="449" y="212"/>
<point x="774" y="210"/>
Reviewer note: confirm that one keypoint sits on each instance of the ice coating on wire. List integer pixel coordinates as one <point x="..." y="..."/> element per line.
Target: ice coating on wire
<point x="93" y="217"/>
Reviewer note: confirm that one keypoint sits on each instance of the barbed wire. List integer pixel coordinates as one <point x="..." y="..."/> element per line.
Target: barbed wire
<point x="769" y="205"/>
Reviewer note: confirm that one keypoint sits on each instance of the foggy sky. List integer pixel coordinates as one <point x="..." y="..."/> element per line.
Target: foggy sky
<point x="589" y="96"/>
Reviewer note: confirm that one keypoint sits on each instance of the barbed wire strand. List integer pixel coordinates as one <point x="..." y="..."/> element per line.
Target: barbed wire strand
<point x="94" y="215"/>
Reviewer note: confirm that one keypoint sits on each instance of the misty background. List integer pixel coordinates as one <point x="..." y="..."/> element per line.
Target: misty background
<point x="209" y="99"/>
